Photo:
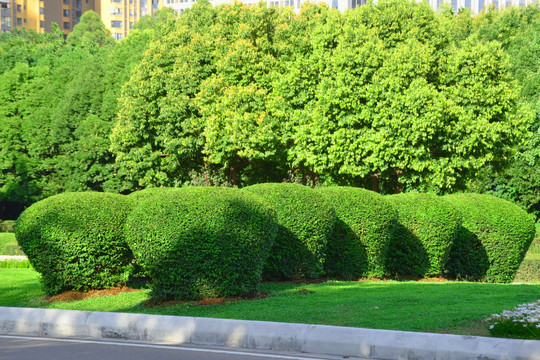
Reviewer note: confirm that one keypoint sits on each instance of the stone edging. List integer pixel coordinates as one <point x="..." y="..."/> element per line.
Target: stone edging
<point x="314" y="339"/>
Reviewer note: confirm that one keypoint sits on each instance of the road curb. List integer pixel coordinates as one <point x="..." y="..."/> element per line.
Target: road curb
<point x="262" y="335"/>
<point x="13" y="257"/>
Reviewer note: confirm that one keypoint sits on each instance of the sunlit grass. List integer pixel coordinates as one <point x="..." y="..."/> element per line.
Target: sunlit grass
<point x="9" y="245"/>
<point x="450" y="307"/>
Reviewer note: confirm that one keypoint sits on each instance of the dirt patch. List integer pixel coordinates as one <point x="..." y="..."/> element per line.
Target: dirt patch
<point x="300" y="281"/>
<point x="477" y="328"/>
<point x="258" y="295"/>
<point x="407" y="278"/>
<point x="305" y="291"/>
<point x="81" y="295"/>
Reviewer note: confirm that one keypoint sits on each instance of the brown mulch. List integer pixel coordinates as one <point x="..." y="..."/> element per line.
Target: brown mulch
<point x="258" y="295"/>
<point x="81" y="295"/>
<point x="407" y="278"/>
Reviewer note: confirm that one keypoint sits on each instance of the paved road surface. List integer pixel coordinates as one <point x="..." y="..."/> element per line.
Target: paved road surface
<point x="33" y="348"/>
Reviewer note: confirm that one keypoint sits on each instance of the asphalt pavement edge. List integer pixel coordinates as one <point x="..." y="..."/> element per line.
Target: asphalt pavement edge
<point x="262" y="335"/>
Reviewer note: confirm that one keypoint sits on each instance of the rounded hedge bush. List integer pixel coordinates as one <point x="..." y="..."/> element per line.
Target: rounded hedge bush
<point x="426" y="229"/>
<point x="199" y="242"/>
<point x="147" y="193"/>
<point x="493" y="239"/>
<point x="76" y="240"/>
<point x="359" y="244"/>
<point x="305" y="222"/>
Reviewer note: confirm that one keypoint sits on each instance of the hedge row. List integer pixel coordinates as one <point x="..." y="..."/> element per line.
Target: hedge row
<point x="76" y="240"/>
<point x="212" y="242"/>
<point x="493" y="240"/>
<point x="201" y="242"/>
<point x="422" y="239"/>
<point x="305" y="221"/>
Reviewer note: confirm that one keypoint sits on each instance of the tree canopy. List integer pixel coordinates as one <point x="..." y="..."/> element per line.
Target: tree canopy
<point x="390" y="96"/>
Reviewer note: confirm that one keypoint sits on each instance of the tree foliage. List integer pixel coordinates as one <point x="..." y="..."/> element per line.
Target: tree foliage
<point x="389" y="96"/>
<point x="59" y="106"/>
<point x="518" y="29"/>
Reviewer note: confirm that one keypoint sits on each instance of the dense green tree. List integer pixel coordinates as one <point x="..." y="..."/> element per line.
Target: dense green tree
<point x="198" y="100"/>
<point x="518" y="29"/>
<point x="399" y="105"/>
<point x="90" y="32"/>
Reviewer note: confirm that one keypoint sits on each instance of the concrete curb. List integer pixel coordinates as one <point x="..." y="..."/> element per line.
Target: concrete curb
<point x="314" y="339"/>
<point x="13" y="257"/>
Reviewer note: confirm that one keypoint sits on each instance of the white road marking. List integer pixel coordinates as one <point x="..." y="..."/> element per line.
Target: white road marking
<point x="167" y="347"/>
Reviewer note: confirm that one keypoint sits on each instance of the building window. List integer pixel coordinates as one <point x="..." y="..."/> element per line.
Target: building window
<point x="116" y="24"/>
<point x="19" y="22"/>
<point x="41" y="23"/>
<point x="117" y="1"/>
<point x="131" y="25"/>
<point x="79" y="4"/>
<point x="42" y="10"/>
<point x="19" y="8"/>
<point x="117" y="36"/>
<point x="24" y="20"/>
<point x="66" y="2"/>
<point x="132" y="12"/>
<point x="67" y="25"/>
<point x="116" y="11"/>
<point x="78" y="13"/>
<point x="65" y="13"/>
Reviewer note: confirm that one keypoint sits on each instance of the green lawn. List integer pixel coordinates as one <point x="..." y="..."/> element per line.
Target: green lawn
<point x="9" y="245"/>
<point x="453" y="307"/>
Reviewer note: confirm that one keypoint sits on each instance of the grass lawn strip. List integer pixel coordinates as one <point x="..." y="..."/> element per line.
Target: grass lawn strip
<point x="9" y="245"/>
<point x="448" y="307"/>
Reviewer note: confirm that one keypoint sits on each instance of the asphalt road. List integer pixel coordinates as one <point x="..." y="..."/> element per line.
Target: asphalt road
<point x="32" y="348"/>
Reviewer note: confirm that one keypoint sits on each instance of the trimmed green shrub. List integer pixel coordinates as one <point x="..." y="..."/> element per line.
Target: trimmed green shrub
<point x="359" y="244"/>
<point x="147" y="193"/>
<point x="493" y="240"/>
<point x="76" y="240"/>
<point x="305" y="222"/>
<point x="199" y="242"/>
<point x="421" y="241"/>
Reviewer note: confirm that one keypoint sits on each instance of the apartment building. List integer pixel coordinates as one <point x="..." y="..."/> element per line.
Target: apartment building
<point x="120" y="15"/>
<point x="475" y="5"/>
<point x="39" y="15"/>
<point x="5" y="15"/>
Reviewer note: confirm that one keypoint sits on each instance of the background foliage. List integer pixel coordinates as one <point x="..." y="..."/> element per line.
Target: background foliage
<point x="391" y="97"/>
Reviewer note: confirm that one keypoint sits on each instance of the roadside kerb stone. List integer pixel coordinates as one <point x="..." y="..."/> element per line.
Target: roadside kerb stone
<point x="13" y="257"/>
<point x="262" y="335"/>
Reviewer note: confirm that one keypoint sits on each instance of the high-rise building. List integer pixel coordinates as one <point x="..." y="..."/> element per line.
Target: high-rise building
<point x="5" y="15"/>
<point x="475" y="5"/>
<point x="40" y="14"/>
<point x="120" y="15"/>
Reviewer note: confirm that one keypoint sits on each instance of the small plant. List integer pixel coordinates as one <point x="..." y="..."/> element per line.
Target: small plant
<point x="523" y="322"/>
